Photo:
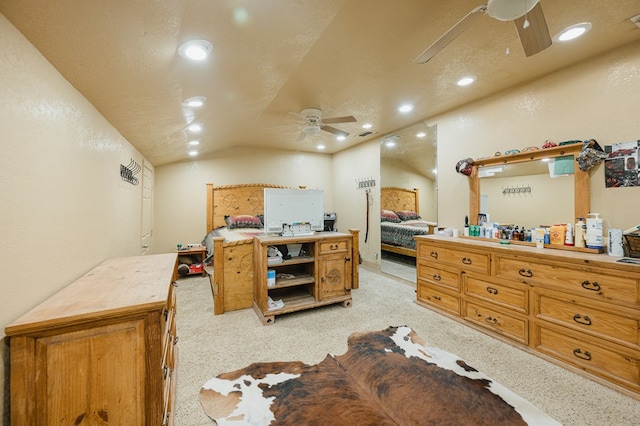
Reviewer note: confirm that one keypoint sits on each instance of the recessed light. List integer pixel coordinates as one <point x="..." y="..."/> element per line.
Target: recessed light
<point x="367" y="126"/>
<point x="465" y="81"/>
<point x="405" y="108"/>
<point x="194" y="142"/>
<point x="421" y="135"/>
<point x="196" y="50"/>
<point x="572" y="32"/>
<point x="195" y="101"/>
<point x="390" y="144"/>
<point x="320" y="147"/>
<point x="193" y="153"/>
<point x="195" y="127"/>
<point x="341" y="137"/>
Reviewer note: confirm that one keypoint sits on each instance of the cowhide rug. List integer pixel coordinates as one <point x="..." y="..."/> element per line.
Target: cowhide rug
<point x="385" y="378"/>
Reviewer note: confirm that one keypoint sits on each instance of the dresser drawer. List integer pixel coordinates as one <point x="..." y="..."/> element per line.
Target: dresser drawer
<point x="442" y="276"/>
<point x="334" y="246"/>
<point x="611" y="323"/>
<point x="514" y="296"/>
<point x="495" y="319"/>
<point x="466" y="260"/>
<point x="580" y="281"/>
<point x="438" y="298"/>
<point x="613" y="362"/>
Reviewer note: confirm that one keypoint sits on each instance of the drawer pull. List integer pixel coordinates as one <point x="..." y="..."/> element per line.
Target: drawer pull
<point x="437" y="277"/>
<point x="593" y="286"/>
<point x="434" y="254"/>
<point x="526" y="272"/>
<point x="466" y="261"/>
<point x="436" y="298"/>
<point x="491" y="320"/>
<point x="492" y="290"/>
<point x="334" y="247"/>
<point x="582" y="320"/>
<point x="582" y="355"/>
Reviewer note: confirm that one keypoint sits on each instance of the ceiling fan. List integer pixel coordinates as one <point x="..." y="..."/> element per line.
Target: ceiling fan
<point x="313" y="123"/>
<point x="527" y="16"/>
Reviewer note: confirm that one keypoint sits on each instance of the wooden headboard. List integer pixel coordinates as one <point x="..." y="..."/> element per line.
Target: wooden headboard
<point x="396" y="199"/>
<point x="233" y="200"/>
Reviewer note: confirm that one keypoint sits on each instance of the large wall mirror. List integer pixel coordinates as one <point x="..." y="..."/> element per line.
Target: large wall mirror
<point x="530" y="189"/>
<point x="408" y="160"/>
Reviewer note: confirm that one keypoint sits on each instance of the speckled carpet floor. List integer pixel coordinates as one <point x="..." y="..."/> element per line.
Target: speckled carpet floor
<point x="213" y="344"/>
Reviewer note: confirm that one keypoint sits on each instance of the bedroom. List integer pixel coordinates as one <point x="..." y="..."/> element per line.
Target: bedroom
<point x="63" y="198"/>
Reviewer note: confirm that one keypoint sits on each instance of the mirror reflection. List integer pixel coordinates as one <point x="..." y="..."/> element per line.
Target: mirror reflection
<point x="407" y="162"/>
<point x="529" y="194"/>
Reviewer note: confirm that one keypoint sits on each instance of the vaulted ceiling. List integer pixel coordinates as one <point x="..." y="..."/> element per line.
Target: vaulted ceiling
<point x="274" y="58"/>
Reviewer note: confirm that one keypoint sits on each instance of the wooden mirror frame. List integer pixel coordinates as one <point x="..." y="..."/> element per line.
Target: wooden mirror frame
<point x="581" y="179"/>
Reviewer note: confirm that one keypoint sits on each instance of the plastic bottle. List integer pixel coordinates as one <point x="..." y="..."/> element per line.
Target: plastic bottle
<point x="568" y="237"/>
<point x="581" y="227"/>
<point x="593" y="237"/>
<point x="547" y="236"/>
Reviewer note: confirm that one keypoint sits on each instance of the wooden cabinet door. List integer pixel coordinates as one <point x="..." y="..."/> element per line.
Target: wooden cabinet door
<point x="334" y="276"/>
<point x="92" y="376"/>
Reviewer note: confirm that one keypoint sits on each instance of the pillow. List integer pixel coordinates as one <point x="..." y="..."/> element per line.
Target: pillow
<point x="389" y="216"/>
<point x="243" y="221"/>
<point x="407" y="215"/>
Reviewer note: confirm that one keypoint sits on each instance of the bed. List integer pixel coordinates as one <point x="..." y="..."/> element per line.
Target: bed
<point x="231" y="270"/>
<point x="400" y="220"/>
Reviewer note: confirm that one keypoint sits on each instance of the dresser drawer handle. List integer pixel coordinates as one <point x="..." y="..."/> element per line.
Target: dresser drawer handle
<point x="582" y="320"/>
<point x="492" y="290"/>
<point x="491" y="320"/>
<point x="582" y="355"/>
<point x="334" y="247"/>
<point x="437" y="277"/>
<point x="436" y="298"/>
<point x="466" y="261"/>
<point x="526" y="272"/>
<point x="593" y="286"/>
<point x="434" y="254"/>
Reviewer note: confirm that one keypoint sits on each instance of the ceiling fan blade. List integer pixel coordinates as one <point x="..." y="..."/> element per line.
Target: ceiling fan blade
<point x="335" y="131"/>
<point x="334" y="120"/>
<point x="535" y="38"/>
<point x="301" y="136"/>
<point x="450" y="35"/>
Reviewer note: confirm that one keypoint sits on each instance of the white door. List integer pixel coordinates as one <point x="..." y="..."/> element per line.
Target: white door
<point x="147" y="208"/>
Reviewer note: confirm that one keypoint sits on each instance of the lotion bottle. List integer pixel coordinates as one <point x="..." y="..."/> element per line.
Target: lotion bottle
<point x="568" y="237"/>
<point x="580" y="231"/>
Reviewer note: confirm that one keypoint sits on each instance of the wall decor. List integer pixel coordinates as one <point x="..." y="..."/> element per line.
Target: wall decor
<point x="621" y="164"/>
<point x="128" y="173"/>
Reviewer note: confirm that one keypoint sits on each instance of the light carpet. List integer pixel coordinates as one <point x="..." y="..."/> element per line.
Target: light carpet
<point x="213" y="344"/>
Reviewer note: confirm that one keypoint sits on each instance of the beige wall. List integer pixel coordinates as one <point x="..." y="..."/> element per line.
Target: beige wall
<point x="63" y="205"/>
<point x="180" y="196"/>
<point x="595" y="99"/>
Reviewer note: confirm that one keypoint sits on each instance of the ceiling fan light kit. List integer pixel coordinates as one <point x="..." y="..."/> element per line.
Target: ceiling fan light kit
<point x="509" y="10"/>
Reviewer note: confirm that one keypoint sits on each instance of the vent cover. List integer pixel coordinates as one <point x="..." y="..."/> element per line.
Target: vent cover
<point x="636" y="20"/>
<point x="365" y="134"/>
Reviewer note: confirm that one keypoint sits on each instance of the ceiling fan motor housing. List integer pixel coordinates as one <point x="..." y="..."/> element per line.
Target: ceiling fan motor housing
<point x="509" y="10"/>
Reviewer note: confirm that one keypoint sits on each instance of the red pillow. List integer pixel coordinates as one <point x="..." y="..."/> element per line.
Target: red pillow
<point x="407" y="215"/>
<point x="389" y="216"/>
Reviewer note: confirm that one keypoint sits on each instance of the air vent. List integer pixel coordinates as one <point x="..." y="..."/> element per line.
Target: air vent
<point x="636" y="20"/>
<point x="365" y="134"/>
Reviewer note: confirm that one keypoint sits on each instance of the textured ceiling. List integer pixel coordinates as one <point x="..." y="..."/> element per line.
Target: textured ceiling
<point x="271" y="58"/>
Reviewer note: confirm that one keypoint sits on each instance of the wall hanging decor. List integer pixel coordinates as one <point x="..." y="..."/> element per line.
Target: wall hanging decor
<point x="621" y="164"/>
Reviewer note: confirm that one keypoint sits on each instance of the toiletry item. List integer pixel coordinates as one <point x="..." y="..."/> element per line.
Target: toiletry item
<point x="271" y="278"/>
<point x="456" y="232"/>
<point x="547" y="236"/>
<point x="593" y="237"/>
<point x="539" y="237"/>
<point x="516" y="234"/>
<point x="568" y="237"/>
<point x="614" y="242"/>
<point x="466" y="231"/>
<point x="557" y="233"/>
<point x="579" y="231"/>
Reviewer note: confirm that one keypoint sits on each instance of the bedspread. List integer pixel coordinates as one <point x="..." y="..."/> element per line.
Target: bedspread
<point x="401" y="234"/>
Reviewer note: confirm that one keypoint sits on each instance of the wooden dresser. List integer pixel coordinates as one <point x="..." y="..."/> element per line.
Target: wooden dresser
<point x="579" y="310"/>
<point x="101" y="350"/>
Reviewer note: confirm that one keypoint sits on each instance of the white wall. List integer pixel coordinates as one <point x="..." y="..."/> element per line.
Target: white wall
<point x="180" y="196"/>
<point x="595" y="99"/>
<point x="63" y="205"/>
